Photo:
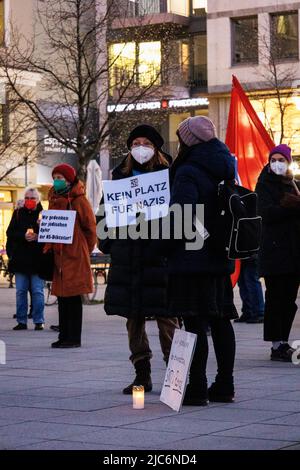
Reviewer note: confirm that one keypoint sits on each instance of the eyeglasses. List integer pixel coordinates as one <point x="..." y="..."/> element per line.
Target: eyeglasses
<point x="30" y="198"/>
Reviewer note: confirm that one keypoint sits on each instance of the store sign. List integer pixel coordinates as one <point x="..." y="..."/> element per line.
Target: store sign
<point x="164" y="104"/>
<point x="188" y="103"/>
<point x="52" y="145"/>
<point x="133" y="106"/>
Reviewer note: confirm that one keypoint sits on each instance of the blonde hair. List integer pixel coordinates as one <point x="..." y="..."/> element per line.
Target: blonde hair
<point x="158" y="159"/>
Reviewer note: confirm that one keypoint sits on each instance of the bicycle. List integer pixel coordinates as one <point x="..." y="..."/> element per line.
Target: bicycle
<point x="100" y="264"/>
<point x="4" y="268"/>
<point x="49" y="298"/>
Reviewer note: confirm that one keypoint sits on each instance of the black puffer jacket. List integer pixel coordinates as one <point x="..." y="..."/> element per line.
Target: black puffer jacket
<point x="280" y="246"/>
<point x="24" y="256"/>
<point x="195" y="181"/>
<point x="137" y="280"/>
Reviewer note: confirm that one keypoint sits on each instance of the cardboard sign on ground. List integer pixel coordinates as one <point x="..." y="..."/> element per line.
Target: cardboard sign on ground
<point x="181" y="355"/>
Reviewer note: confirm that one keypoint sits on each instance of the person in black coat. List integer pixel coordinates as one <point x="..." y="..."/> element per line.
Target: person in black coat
<point x="279" y="257"/>
<point x="137" y="279"/>
<point x="24" y="254"/>
<point x="199" y="283"/>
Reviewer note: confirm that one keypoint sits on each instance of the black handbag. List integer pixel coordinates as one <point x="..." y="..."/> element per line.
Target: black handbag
<point x="46" y="266"/>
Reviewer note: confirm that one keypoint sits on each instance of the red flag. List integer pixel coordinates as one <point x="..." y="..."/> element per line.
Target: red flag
<point x="249" y="141"/>
<point x="246" y="137"/>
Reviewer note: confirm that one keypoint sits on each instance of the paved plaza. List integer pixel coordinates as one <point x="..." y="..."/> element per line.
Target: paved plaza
<point x="71" y="399"/>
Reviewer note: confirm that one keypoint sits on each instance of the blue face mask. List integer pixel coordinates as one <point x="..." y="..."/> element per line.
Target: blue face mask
<point x="59" y="185"/>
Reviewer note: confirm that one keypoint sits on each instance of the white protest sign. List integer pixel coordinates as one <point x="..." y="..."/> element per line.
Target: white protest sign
<point x="181" y="355"/>
<point x="146" y="193"/>
<point x="57" y="226"/>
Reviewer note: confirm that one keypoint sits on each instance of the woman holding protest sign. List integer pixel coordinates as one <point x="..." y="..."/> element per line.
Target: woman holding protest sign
<point x="137" y="280"/>
<point x="199" y="284"/>
<point x="24" y="252"/>
<point x="72" y="272"/>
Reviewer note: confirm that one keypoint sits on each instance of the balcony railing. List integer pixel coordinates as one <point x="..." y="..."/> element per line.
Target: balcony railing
<point x="176" y="75"/>
<point x="198" y="76"/>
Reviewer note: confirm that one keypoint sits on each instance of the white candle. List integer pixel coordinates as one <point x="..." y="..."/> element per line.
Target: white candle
<point x="138" y="397"/>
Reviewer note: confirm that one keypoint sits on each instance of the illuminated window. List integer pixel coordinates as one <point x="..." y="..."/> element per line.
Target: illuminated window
<point x="1" y="22"/>
<point x="244" y="40"/>
<point x="284" y="35"/>
<point x="149" y="63"/>
<point x="269" y="114"/>
<point x="199" y="7"/>
<point x="179" y="7"/>
<point x="133" y="63"/>
<point x="122" y="64"/>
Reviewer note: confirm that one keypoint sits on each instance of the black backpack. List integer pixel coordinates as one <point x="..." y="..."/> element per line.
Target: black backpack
<point x="239" y="227"/>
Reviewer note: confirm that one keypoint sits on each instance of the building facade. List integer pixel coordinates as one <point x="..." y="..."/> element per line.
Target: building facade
<point x="258" y="42"/>
<point x="158" y="68"/>
<point x="22" y="140"/>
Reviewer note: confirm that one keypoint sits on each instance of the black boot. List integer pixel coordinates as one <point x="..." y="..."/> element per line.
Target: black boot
<point x="195" y="395"/>
<point x="143" y="377"/>
<point x="222" y="390"/>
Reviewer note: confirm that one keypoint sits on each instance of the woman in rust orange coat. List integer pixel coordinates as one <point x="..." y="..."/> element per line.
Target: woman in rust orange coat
<point x="72" y="272"/>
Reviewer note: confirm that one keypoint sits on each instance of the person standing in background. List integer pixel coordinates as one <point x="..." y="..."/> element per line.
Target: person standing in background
<point x="24" y="253"/>
<point x="279" y="256"/>
<point x="72" y="270"/>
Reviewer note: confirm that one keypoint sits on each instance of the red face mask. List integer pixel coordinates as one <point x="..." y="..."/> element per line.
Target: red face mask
<point x="30" y="204"/>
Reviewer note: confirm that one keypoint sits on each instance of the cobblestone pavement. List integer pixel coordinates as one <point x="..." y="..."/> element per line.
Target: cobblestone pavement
<point x="71" y="399"/>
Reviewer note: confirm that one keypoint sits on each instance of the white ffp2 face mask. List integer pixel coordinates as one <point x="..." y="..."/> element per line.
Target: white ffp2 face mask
<point x="280" y="168"/>
<point x="142" y="154"/>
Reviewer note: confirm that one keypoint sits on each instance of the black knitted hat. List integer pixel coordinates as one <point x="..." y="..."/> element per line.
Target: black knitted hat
<point x="146" y="131"/>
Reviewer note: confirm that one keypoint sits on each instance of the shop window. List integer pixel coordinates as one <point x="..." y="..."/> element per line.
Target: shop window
<point x="2" y="21"/>
<point x="135" y="63"/>
<point x="284" y="35"/>
<point x="244" y="40"/>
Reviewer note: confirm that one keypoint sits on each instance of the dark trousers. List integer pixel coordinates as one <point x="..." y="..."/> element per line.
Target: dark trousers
<point x="224" y="345"/>
<point x="280" y="307"/>
<point x="138" y="339"/>
<point x="70" y="319"/>
<point x="251" y="290"/>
